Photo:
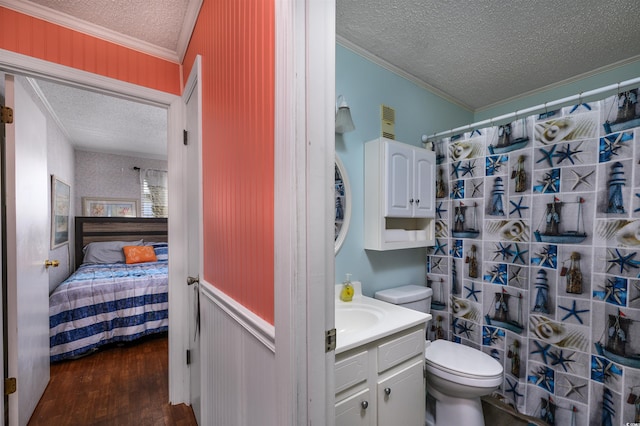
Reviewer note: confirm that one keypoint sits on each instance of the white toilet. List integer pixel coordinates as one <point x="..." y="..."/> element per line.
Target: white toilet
<point x="457" y="375"/>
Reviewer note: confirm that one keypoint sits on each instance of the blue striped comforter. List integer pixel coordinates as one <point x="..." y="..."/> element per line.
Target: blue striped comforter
<point x="105" y="303"/>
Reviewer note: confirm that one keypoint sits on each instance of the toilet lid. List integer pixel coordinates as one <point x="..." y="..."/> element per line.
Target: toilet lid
<point x="461" y="360"/>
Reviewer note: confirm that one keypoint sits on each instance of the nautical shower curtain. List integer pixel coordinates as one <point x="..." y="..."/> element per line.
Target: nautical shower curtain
<point x="535" y="260"/>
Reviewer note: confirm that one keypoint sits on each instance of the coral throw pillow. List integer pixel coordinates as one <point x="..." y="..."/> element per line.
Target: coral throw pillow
<point x="139" y="254"/>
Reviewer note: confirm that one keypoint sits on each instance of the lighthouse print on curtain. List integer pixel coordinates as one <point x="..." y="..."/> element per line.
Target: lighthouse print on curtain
<point x="535" y="260"/>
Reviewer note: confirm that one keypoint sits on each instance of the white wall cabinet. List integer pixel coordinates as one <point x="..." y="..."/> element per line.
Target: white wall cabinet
<point x="409" y="179"/>
<point x="382" y="383"/>
<point x="399" y="195"/>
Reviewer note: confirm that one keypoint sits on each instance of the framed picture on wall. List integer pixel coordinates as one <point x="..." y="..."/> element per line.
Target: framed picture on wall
<point x="110" y="207"/>
<point x="60" y="205"/>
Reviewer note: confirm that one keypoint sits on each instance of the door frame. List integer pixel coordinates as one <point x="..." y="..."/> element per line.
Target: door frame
<point x="304" y="158"/>
<point x="192" y="92"/>
<point x="16" y="63"/>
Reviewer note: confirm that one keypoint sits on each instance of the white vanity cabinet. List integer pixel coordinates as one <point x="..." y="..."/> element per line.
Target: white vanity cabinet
<point x="400" y="394"/>
<point x="382" y="382"/>
<point x="399" y="195"/>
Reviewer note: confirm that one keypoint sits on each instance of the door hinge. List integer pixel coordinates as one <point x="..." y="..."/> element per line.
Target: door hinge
<point x="6" y="115"/>
<point x="330" y="340"/>
<point x="10" y="385"/>
<point x="188" y="356"/>
<point x="185" y="137"/>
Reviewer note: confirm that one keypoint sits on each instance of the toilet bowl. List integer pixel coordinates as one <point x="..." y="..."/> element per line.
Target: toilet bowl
<point x="457" y="375"/>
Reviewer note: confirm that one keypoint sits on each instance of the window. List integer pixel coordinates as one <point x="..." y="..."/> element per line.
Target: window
<point x="154" y="197"/>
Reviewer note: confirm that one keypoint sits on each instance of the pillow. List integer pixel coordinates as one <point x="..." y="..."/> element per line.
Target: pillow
<point x="107" y="251"/>
<point x="161" y="249"/>
<point x="139" y="254"/>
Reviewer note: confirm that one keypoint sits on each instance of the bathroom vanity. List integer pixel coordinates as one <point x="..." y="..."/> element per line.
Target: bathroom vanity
<point x="379" y="370"/>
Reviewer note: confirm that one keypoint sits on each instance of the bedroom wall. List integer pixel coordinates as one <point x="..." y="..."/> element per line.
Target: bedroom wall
<point x="98" y="174"/>
<point x="59" y="163"/>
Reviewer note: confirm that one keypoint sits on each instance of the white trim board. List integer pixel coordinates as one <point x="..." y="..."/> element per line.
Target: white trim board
<point x="256" y="326"/>
<point x="31" y="67"/>
<point x="94" y="30"/>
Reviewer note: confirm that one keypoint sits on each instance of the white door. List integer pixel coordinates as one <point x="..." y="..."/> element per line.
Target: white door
<point x="27" y="236"/>
<point x="192" y="98"/>
<point x="2" y="264"/>
<point x="399" y="180"/>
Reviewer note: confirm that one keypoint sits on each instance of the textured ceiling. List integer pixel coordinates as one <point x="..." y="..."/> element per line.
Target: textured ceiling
<point x="158" y="22"/>
<point x="484" y="52"/>
<point x="97" y="122"/>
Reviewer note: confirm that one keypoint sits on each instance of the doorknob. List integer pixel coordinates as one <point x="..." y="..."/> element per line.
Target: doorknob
<point x="193" y="280"/>
<point x="53" y="263"/>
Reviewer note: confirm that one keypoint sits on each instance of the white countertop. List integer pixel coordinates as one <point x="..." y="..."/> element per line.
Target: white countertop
<point x="366" y="319"/>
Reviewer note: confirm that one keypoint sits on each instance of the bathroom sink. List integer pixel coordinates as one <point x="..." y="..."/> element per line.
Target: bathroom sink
<point x="354" y="318"/>
<point x="366" y="319"/>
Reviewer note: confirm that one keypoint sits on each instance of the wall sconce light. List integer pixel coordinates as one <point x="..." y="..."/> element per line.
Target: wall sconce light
<point x="344" y="123"/>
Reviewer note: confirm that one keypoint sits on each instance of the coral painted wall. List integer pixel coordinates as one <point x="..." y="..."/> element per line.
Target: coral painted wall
<point x="236" y="41"/>
<point x="43" y="40"/>
<point x="237" y="44"/>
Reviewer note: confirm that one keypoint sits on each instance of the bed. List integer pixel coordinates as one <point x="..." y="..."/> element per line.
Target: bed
<point x="106" y="299"/>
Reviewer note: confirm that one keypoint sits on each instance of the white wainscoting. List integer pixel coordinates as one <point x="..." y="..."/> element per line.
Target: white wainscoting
<point x="238" y="363"/>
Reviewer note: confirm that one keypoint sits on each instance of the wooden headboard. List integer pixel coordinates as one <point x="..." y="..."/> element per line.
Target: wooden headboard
<point x="90" y="229"/>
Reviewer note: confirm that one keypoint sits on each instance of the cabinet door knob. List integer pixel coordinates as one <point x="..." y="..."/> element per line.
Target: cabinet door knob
<point x="417" y="201"/>
<point x="364" y="405"/>
<point x="387" y="391"/>
<point x="411" y="201"/>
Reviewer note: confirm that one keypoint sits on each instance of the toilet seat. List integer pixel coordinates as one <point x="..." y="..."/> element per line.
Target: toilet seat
<point x="462" y="364"/>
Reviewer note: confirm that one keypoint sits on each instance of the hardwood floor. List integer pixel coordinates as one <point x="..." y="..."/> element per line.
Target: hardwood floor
<point x="119" y="385"/>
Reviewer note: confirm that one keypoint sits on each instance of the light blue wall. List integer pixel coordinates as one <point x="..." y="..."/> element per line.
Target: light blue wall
<point x="613" y="76"/>
<point x="366" y="86"/>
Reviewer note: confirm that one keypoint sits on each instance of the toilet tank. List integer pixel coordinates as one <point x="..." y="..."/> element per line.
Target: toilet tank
<point x="413" y="297"/>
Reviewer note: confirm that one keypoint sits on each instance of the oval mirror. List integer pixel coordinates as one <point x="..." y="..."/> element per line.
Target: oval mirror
<point x="343" y="204"/>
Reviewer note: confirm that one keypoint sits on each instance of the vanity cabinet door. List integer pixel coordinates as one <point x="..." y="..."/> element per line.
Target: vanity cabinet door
<point x="401" y="397"/>
<point x="356" y="410"/>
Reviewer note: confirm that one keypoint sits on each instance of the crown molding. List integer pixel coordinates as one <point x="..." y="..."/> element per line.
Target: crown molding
<point x="559" y="84"/>
<point x="45" y="102"/>
<point x="396" y="70"/>
<point x="188" y="25"/>
<point x="94" y="30"/>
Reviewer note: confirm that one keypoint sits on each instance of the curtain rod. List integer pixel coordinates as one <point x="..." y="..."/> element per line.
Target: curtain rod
<point x="138" y="169"/>
<point x="542" y="107"/>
